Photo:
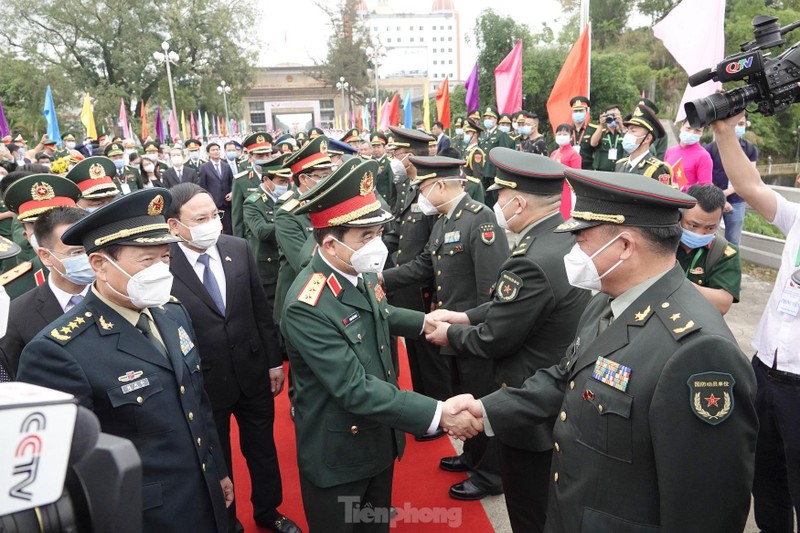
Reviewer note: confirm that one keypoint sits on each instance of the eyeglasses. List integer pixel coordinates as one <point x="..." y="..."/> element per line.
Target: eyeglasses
<point x="77" y="252"/>
<point x="202" y="220"/>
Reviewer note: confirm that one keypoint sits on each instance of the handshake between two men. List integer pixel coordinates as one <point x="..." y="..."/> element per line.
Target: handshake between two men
<point x="462" y="415"/>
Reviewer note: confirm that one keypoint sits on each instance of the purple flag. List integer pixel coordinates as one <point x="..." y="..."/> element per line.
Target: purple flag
<point x="3" y="124"/>
<point x="159" y="126"/>
<point x="471" y="85"/>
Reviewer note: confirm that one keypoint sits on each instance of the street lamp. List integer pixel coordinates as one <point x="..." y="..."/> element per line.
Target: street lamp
<point x="343" y="85"/>
<point x="168" y="57"/>
<point x="374" y="54"/>
<point x="225" y="90"/>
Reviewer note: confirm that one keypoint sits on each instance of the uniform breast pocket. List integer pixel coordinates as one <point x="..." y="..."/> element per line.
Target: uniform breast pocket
<point x="356" y="336"/>
<point x="138" y="407"/>
<point x="604" y="423"/>
<point x="352" y="440"/>
<point x="455" y="259"/>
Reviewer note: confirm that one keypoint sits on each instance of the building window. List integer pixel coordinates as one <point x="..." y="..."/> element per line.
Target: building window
<point x="399" y="40"/>
<point x="388" y="29"/>
<point x="388" y="39"/>
<point x="412" y="39"/>
<point x="257" y="114"/>
<point x="434" y="39"/>
<point x="449" y="38"/>
<point x="449" y="49"/>
<point x="398" y="28"/>
<point x="374" y="28"/>
<point x="449" y="27"/>
<point x="450" y="62"/>
<point x="434" y="77"/>
<point x="422" y="39"/>
<point x="434" y="61"/>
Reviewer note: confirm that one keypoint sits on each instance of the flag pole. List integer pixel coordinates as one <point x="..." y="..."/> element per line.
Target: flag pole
<point x="584" y="24"/>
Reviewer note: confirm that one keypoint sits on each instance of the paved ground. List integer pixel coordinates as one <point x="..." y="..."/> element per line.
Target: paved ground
<point x="742" y="319"/>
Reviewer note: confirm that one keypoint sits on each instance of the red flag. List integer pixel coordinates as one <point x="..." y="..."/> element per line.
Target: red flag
<point x="678" y="175"/>
<point x="192" y="125"/>
<point x="573" y="80"/>
<point x="145" y="133"/>
<point x="508" y="80"/>
<point x="443" y="103"/>
<point x="394" y="110"/>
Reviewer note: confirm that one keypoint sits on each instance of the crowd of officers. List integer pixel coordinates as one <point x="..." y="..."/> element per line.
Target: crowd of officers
<point x="483" y="297"/>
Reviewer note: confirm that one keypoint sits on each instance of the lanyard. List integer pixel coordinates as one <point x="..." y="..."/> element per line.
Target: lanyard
<point x="697" y="258"/>
<point x="612" y="144"/>
<point x="797" y="259"/>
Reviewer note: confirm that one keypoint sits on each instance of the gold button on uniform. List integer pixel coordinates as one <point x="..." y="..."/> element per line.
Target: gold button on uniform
<point x="555" y="477"/>
<point x="191" y="416"/>
<point x="563" y="416"/>
<point x="354" y="429"/>
<point x="557" y="447"/>
<point x="199" y="441"/>
<point x="503" y="385"/>
<point x="571" y="385"/>
<point x="197" y="367"/>
<point x="600" y="407"/>
<point x="139" y="400"/>
<point x="438" y="287"/>
<point x="440" y="303"/>
<point x="204" y="467"/>
<point x="183" y="389"/>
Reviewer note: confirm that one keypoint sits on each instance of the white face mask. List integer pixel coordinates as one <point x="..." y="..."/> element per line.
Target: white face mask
<point x="581" y="271"/>
<point x="369" y="258"/>
<point x="427" y="207"/>
<point x="70" y="145"/>
<point x="148" y="168"/>
<point x="150" y="287"/>
<point x="177" y="160"/>
<point x="563" y="140"/>
<point x="33" y="242"/>
<point x="398" y="169"/>
<point x="204" y="235"/>
<point x="5" y="304"/>
<point x="500" y="216"/>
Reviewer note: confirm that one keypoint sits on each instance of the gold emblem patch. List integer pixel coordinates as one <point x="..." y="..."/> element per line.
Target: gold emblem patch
<point x="323" y="147"/>
<point x="260" y="139"/>
<point x="97" y="171"/>
<point x="367" y="184"/>
<point x="156" y="206"/>
<point x="42" y="191"/>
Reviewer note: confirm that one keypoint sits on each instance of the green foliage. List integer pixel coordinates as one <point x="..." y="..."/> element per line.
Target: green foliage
<point x="755" y="223"/>
<point x="458" y="106"/>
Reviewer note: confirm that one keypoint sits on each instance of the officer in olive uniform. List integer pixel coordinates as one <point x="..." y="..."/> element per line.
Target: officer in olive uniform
<point x="130" y="357"/>
<point x="27" y="196"/>
<point x="530" y="321"/>
<point x="384" y="181"/>
<point x="64" y="152"/>
<point x="151" y="150"/>
<point x="584" y="130"/>
<point x="351" y="417"/>
<point x="248" y="180"/>
<point x="475" y="160"/>
<point x="643" y="122"/>
<point x="95" y="177"/>
<point x="193" y="149"/>
<point x="492" y="137"/>
<point x="659" y="147"/>
<point x="127" y="178"/>
<point x="507" y="126"/>
<point x="463" y="256"/>
<point x="457" y="139"/>
<point x="259" y="220"/>
<point x="302" y="138"/>
<point x="655" y="428"/>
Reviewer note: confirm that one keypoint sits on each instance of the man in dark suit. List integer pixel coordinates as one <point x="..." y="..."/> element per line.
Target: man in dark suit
<point x="179" y="172"/>
<point x="217" y="278"/>
<point x="529" y="322"/>
<point x="654" y="400"/>
<point x="128" y="353"/>
<point x="67" y="285"/>
<point x="442" y="140"/>
<point x="216" y="178"/>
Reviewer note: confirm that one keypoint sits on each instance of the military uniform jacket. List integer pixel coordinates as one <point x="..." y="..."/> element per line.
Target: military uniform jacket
<point x="128" y="179"/>
<point x="649" y="167"/>
<point x="23" y="277"/>
<point x="259" y="219"/>
<point x="384" y="182"/>
<point x="530" y="321"/>
<point x="725" y="273"/>
<point x="463" y="255"/>
<point x="586" y="149"/>
<point x="296" y="245"/>
<point x="489" y="140"/>
<point x="95" y="354"/>
<point x="475" y="160"/>
<point x="351" y="418"/>
<point x="245" y="183"/>
<point x="669" y="444"/>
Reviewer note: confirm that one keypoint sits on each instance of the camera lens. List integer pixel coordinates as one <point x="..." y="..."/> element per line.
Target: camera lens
<point x="704" y="111"/>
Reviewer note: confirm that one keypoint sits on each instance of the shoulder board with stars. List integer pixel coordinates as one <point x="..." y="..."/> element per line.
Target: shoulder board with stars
<point x="676" y="319"/>
<point x="522" y="246"/>
<point x="285" y="196"/>
<point x="623" y="160"/>
<point x="290" y="204"/>
<point x="16" y="272"/>
<point x="240" y="174"/>
<point x="475" y="207"/>
<point x="729" y="251"/>
<point x="312" y="289"/>
<point x="174" y="300"/>
<point x="653" y="161"/>
<point x="473" y="179"/>
<point x="70" y="326"/>
<point x="254" y="197"/>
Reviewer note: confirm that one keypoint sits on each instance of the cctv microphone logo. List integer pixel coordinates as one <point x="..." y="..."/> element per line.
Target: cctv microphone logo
<point x="27" y="456"/>
<point x="736" y="66"/>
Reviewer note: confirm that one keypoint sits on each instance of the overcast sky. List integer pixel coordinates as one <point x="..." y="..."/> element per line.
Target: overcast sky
<point x="297" y="31"/>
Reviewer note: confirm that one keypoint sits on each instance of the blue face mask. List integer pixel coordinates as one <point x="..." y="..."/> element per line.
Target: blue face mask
<point x="525" y="130"/>
<point x="459" y="131"/>
<point x="695" y="240"/>
<point x="488" y="123"/>
<point x="260" y="162"/>
<point x="119" y="163"/>
<point x="504" y="129"/>
<point x="578" y="116"/>
<point x="740" y="131"/>
<point x="612" y="124"/>
<point x="280" y="190"/>
<point x="230" y="155"/>
<point x="77" y="269"/>
<point x="688" y="138"/>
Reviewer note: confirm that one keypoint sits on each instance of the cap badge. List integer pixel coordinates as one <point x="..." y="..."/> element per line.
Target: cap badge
<point x="638" y="112"/>
<point x="488" y="109"/>
<point x="323" y="147"/>
<point x="155" y="206"/>
<point x="42" y="191"/>
<point x="260" y="139"/>
<point x="367" y="184"/>
<point x="96" y="171"/>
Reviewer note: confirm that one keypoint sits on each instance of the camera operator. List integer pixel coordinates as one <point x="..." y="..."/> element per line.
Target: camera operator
<point x="776" y="485"/>
<point x="607" y="140"/>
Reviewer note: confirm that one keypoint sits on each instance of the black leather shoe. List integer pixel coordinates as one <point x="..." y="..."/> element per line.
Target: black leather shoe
<point x="279" y="524"/>
<point x="466" y="490"/>
<point x="453" y="464"/>
<point x="430" y="436"/>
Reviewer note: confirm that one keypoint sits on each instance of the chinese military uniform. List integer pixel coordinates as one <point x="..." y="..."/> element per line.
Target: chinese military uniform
<point x="489" y="140"/>
<point x="475" y="162"/>
<point x="648" y="166"/>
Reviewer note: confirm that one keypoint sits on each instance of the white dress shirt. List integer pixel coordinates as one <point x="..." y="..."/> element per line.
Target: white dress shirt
<point x="214" y="263"/>
<point x="62" y="296"/>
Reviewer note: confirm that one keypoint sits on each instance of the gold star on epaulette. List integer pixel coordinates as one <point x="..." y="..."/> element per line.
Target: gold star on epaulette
<point x="642" y="315"/>
<point x="675" y="317"/>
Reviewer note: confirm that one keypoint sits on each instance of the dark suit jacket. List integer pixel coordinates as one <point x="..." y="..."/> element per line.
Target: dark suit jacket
<point x="93" y="353"/>
<point x="645" y="458"/>
<point x="169" y="177"/>
<point x="442" y="144"/>
<point x="28" y="315"/>
<point x="237" y="349"/>
<point x="218" y="186"/>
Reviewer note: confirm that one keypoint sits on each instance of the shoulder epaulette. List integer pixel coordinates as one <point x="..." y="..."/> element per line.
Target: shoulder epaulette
<point x="240" y="174"/>
<point x="285" y="196"/>
<point x="653" y="161"/>
<point x="289" y="204"/>
<point x="256" y="196"/>
<point x="71" y="325"/>
<point x="593" y="125"/>
<point x="174" y="300"/>
<point x="676" y="319"/>
<point x="475" y="207"/>
<point x="622" y="160"/>
<point x="729" y="251"/>
<point x="16" y="272"/>
<point x="522" y="246"/>
<point x="473" y="179"/>
<point x="312" y="289"/>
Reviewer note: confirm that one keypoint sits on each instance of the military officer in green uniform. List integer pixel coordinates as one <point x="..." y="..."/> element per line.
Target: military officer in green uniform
<point x="95" y="177"/>
<point x="248" y="180"/>
<point x="68" y="143"/>
<point x="302" y="138"/>
<point x="584" y="129"/>
<point x="607" y="140"/>
<point x="707" y="258"/>
<point x="505" y="125"/>
<point x="384" y="182"/>
<point x="151" y="152"/>
<point x="193" y="149"/>
<point x="127" y="178"/>
<point x="463" y="257"/>
<point x="351" y="417"/>
<point x="643" y="128"/>
<point x="474" y="161"/>
<point x="492" y="137"/>
<point x="457" y="139"/>
<point x="529" y="322"/>
<point x="659" y="147"/>
<point x="653" y="400"/>
<point x="259" y="220"/>
<point x="28" y="195"/>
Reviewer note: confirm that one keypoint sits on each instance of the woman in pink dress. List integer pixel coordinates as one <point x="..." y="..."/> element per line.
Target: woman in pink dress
<point x="690" y="156"/>
<point x="565" y="153"/>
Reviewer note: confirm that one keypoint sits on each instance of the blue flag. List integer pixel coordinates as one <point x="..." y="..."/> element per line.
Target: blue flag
<point x="49" y="113"/>
<point x="407" y="109"/>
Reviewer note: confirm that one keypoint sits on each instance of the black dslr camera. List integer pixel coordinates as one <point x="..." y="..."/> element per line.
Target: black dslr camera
<point x="772" y="84"/>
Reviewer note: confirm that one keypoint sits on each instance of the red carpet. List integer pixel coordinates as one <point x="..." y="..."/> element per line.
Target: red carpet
<point x="420" y="487"/>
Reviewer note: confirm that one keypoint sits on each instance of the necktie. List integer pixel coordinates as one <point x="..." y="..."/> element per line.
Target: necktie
<point x="179" y="174"/>
<point x="361" y="287"/>
<point x="143" y="325"/>
<point x="605" y="320"/>
<point x="73" y="301"/>
<point x="219" y="172"/>
<point x="210" y="283"/>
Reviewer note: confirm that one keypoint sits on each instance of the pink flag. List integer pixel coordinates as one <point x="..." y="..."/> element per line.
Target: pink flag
<point x="174" y="132"/>
<point x="384" y="125"/>
<point x="508" y="80"/>
<point x="192" y="125"/>
<point x="694" y="33"/>
<point x="123" y="120"/>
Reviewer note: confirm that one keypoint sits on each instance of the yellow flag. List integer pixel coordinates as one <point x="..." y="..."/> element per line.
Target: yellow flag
<point x="87" y="118"/>
<point x="426" y="107"/>
<point x="184" y="130"/>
